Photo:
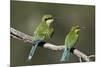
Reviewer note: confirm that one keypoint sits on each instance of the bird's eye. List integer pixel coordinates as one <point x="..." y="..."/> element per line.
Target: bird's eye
<point x="48" y="18"/>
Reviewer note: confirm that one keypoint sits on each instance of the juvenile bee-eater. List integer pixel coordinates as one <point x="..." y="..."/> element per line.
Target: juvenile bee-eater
<point x="43" y="32"/>
<point x="70" y="41"/>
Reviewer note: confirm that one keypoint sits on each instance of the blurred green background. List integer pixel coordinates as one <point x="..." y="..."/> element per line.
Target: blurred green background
<point x="25" y="16"/>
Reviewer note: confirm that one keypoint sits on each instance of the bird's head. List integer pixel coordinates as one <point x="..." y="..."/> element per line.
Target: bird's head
<point x="75" y="29"/>
<point x="48" y="19"/>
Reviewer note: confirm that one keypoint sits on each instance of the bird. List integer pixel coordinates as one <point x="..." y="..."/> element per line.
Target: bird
<point x="70" y="41"/>
<point x="42" y="33"/>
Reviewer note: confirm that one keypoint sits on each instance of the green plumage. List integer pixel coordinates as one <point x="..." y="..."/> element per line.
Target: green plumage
<point x="70" y="41"/>
<point x="72" y="37"/>
<point x="43" y="32"/>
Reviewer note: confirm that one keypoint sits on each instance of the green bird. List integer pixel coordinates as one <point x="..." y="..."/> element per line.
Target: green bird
<point x="70" y="41"/>
<point x="43" y="32"/>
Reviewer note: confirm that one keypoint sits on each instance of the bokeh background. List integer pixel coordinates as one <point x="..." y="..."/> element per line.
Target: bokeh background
<point x="25" y="16"/>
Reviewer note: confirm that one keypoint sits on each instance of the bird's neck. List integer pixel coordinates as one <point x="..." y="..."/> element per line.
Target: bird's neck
<point x="47" y="24"/>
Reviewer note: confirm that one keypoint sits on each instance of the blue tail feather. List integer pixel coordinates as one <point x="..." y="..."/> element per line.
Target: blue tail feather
<point x="35" y="44"/>
<point x="65" y="55"/>
<point x="32" y="51"/>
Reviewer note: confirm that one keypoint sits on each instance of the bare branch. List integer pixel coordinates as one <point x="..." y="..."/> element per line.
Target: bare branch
<point x="27" y="38"/>
<point x="91" y="56"/>
<point x="80" y="59"/>
<point x="81" y="55"/>
<point x="20" y="35"/>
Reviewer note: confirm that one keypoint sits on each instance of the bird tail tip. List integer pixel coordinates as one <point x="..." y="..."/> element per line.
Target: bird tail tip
<point x="62" y="60"/>
<point x="30" y="57"/>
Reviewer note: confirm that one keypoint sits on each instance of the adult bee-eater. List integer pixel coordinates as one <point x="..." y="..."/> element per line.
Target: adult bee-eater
<point x="70" y="41"/>
<point x="43" y="32"/>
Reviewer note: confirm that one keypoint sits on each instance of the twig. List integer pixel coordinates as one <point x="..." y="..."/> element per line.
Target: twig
<point x="27" y="38"/>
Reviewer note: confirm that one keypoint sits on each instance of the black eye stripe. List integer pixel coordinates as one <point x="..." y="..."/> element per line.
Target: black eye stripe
<point x="48" y="18"/>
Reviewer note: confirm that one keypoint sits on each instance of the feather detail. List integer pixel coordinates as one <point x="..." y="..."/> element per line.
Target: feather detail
<point x="65" y="55"/>
<point x="32" y="52"/>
